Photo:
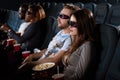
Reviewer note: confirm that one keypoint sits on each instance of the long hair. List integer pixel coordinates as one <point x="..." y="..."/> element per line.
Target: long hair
<point x="38" y="11"/>
<point x="41" y="12"/>
<point x="85" y="27"/>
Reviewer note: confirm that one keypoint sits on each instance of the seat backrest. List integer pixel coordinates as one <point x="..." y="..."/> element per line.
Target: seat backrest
<point x="52" y="28"/>
<point x="114" y="69"/>
<point x="3" y="13"/>
<point x="108" y="42"/>
<point x="54" y="9"/>
<point x="45" y="5"/>
<point x="114" y="15"/>
<point x="80" y="4"/>
<point x="13" y="20"/>
<point x="101" y="12"/>
<point x="91" y="6"/>
<point x="51" y="10"/>
<point x="113" y="1"/>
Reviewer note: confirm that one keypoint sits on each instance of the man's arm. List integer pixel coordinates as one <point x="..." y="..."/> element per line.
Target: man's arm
<point x="34" y="56"/>
<point x="55" y="58"/>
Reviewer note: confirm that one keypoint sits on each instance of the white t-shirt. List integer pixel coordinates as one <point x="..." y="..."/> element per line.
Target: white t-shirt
<point x="23" y="26"/>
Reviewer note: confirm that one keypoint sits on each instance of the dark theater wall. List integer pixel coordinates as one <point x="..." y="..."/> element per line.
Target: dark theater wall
<point x="14" y="4"/>
<point x="9" y="4"/>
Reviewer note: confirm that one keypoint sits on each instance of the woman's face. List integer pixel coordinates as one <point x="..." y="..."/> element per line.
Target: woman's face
<point x="29" y="15"/>
<point x="73" y="26"/>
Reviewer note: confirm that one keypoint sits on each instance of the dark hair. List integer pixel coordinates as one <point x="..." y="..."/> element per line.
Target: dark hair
<point x="34" y="8"/>
<point x="85" y="27"/>
<point x="86" y="23"/>
<point x="24" y="6"/>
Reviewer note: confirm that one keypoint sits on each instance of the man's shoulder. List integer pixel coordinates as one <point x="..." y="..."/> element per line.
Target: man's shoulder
<point x="59" y="32"/>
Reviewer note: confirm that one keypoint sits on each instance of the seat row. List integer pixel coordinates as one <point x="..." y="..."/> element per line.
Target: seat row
<point x="109" y="40"/>
<point x="108" y="53"/>
<point x="103" y="12"/>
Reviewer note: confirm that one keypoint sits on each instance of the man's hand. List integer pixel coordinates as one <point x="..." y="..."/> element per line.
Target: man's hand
<point x="5" y="27"/>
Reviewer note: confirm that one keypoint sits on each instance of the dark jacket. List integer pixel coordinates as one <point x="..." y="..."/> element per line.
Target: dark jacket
<point x="33" y="36"/>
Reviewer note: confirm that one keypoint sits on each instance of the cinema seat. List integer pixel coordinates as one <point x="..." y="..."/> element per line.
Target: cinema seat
<point x="52" y="30"/>
<point x="101" y="12"/>
<point x="113" y="17"/>
<point x="114" y="69"/>
<point x="108" y="41"/>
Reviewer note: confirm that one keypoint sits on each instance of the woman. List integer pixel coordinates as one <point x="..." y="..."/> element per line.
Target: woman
<point x="78" y="59"/>
<point x="35" y="32"/>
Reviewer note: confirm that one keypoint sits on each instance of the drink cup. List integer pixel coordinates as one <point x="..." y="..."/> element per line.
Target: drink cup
<point x="10" y="42"/>
<point x="25" y="54"/>
<point x="58" y="76"/>
<point x="17" y="47"/>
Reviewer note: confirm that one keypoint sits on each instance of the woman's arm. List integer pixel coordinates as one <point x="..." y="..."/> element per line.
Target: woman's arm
<point x="29" y="33"/>
<point x="76" y="71"/>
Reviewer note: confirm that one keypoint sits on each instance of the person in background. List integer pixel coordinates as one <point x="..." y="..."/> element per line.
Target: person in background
<point x="8" y="56"/>
<point x="78" y="58"/>
<point x="22" y="11"/>
<point x="35" y="33"/>
<point x="56" y="48"/>
<point x="21" y="14"/>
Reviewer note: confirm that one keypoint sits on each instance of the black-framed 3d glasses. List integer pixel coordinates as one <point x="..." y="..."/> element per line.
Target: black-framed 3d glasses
<point x="72" y="24"/>
<point x="29" y="13"/>
<point x="63" y="16"/>
<point x="22" y="11"/>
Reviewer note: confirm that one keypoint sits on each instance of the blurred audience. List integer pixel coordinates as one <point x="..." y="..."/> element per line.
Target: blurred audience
<point x="21" y="14"/>
<point x="35" y="32"/>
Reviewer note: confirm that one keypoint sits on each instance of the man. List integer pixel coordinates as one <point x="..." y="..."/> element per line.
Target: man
<point x="22" y="10"/>
<point x="21" y="13"/>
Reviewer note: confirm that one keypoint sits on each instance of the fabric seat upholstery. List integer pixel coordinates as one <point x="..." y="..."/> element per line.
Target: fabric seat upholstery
<point x="108" y="42"/>
<point x="113" y="17"/>
<point x="101" y="12"/>
<point x="114" y="69"/>
<point x="52" y="29"/>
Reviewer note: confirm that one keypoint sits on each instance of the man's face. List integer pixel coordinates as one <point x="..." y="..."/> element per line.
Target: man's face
<point x="21" y="12"/>
<point x="63" y="18"/>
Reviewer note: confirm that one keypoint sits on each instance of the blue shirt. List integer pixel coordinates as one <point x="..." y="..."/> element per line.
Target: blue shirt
<point x="60" y="42"/>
